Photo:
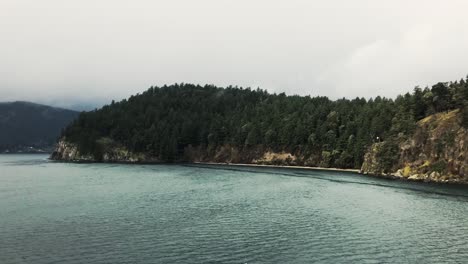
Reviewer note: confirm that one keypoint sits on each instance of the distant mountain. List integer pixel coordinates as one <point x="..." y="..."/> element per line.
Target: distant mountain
<point x="30" y="127"/>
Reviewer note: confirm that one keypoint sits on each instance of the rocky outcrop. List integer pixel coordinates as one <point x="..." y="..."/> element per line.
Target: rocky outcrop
<point x="109" y="151"/>
<point x="246" y="155"/>
<point x="223" y="154"/>
<point x="272" y="158"/>
<point x="372" y="164"/>
<point x="66" y="151"/>
<point x="436" y="152"/>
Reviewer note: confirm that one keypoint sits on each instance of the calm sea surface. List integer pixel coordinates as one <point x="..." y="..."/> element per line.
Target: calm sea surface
<point x="99" y="213"/>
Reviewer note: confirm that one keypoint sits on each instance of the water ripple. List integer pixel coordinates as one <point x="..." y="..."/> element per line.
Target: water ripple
<point x="87" y="213"/>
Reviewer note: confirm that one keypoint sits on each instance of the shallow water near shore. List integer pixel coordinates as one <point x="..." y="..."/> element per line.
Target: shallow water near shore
<point x="54" y="212"/>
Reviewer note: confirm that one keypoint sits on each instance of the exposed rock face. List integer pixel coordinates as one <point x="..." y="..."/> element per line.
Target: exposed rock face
<point x="436" y="152"/>
<point x="270" y="157"/>
<point x="247" y="155"/>
<point x="371" y="164"/>
<point x="223" y="154"/>
<point x="111" y="151"/>
<point x="66" y="151"/>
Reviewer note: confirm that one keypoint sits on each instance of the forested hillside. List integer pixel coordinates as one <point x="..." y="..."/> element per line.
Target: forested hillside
<point x="30" y="127"/>
<point x="206" y="123"/>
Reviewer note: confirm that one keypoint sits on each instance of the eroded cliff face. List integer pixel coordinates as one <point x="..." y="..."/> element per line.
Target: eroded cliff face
<point x="248" y="155"/>
<point x="110" y="152"/>
<point x="436" y="152"/>
<point x="67" y="151"/>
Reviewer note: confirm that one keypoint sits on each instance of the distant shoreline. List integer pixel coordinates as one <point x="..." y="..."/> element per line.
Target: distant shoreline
<point x="277" y="166"/>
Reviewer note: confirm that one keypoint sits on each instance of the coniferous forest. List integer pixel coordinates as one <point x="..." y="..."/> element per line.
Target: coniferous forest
<point x="164" y="121"/>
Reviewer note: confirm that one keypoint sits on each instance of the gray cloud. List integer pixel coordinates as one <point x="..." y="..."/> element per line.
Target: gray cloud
<point x="66" y="52"/>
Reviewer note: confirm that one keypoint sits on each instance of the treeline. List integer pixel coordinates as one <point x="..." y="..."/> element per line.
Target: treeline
<point x="163" y="121"/>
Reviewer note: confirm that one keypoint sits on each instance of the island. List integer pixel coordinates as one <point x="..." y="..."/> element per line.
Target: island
<point x="417" y="136"/>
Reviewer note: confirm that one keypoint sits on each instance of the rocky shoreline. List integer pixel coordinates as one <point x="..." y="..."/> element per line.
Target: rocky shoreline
<point x="68" y="152"/>
<point x="436" y="152"/>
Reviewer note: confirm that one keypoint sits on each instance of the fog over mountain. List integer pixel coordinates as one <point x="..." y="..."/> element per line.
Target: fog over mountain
<point x="26" y="127"/>
<point x="65" y="53"/>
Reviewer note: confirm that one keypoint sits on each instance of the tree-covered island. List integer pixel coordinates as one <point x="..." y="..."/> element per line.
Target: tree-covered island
<point x="420" y="135"/>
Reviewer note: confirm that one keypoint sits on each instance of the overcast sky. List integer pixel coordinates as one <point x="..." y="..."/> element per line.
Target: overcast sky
<point x="69" y="52"/>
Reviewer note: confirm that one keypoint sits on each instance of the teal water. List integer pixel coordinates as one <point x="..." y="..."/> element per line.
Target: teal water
<point x="99" y="213"/>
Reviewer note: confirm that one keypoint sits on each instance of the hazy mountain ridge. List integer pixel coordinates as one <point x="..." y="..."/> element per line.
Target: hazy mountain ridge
<point x="31" y="127"/>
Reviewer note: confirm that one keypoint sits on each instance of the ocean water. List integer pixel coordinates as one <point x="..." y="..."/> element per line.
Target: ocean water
<point x="109" y="213"/>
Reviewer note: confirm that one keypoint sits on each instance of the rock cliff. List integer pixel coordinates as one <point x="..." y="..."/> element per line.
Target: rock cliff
<point x="67" y="151"/>
<point x="436" y="152"/>
<point x="109" y="152"/>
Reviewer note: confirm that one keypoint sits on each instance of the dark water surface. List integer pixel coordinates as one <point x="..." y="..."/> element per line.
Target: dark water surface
<point x="100" y="213"/>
